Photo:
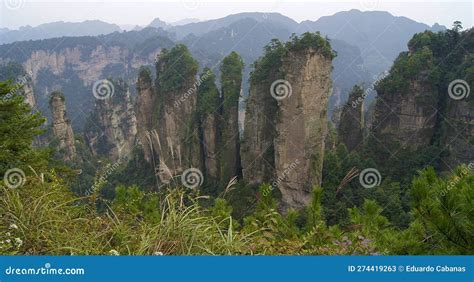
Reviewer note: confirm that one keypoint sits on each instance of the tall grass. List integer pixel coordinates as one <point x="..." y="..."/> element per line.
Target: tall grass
<point x="49" y="219"/>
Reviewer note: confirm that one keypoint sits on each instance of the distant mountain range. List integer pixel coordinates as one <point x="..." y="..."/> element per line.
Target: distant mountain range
<point x="380" y="36"/>
<point x="366" y="42"/>
<point x="201" y="28"/>
<point x="57" y="29"/>
<point x="353" y="26"/>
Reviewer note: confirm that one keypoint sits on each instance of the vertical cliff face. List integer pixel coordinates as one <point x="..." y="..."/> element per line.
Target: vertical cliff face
<point x="21" y="79"/>
<point x="231" y="80"/>
<point x="112" y="128"/>
<point x="176" y="98"/>
<point x="351" y="123"/>
<point x="144" y="108"/>
<point x="257" y="148"/>
<point x="28" y="91"/>
<point x="208" y="104"/>
<point x="74" y="64"/>
<point x="407" y="116"/>
<point x="286" y="118"/>
<point x="458" y="121"/>
<point x="209" y="145"/>
<point x="424" y="103"/>
<point x="458" y="137"/>
<point x="62" y="130"/>
<point x="407" y="105"/>
<point x="302" y="125"/>
<point x="184" y="122"/>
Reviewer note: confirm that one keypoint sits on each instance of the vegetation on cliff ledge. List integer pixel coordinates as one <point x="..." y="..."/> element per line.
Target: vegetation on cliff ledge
<point x="175" y="67"/>
<point x="276" y="50"/>
<point x="231" y="80"/>
<point x="208" y="100"/>
<point x="439" y="56"/>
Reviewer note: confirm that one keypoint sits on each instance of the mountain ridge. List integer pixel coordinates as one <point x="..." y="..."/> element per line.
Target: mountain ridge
<point x="245" y="33"/>
<point x="58" y="29"/>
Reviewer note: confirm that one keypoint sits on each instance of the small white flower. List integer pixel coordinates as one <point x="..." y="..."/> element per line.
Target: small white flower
<point x="157" y="253"/>
<point x="114" y="253"/>
<point x="13" y="226"/>
<point x="18" y="242"/>
<point x="8" y="241"/>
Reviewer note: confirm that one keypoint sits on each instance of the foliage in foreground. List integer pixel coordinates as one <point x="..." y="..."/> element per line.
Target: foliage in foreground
<point x="44" y="217"/>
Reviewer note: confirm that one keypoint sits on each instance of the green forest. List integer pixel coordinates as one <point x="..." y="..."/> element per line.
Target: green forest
<point x="91" y="205"/>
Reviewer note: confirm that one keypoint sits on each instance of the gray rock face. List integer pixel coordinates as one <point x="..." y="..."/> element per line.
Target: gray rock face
<point x="73" y="65"/>
<point x="209" y="145"/>
<point x="177" y="129"/>
<point x="284" y="138"/>
<point x="62" y="129"/>
<point x="144" y="112"/>
<point x="302" y="126"/>
<point x="230" y="144"/>
<point x="351" y="123"/>
<point x="28" y="92"/>
<point x="114" y="125"/>
<point x="167" y="124"/>
<point x="426" y="111"/>
<point x="88" y="69"/>
<point x="459" y="135"/>
<point x="407" y="117"/>
<point x="231" y="90"/>
<point x="257" y="150"/>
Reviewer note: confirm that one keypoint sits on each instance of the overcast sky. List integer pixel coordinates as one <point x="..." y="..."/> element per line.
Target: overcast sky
<point x="16" y="13"/>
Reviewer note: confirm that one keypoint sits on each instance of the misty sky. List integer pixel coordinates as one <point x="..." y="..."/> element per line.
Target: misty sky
<point x="16" y="13"/>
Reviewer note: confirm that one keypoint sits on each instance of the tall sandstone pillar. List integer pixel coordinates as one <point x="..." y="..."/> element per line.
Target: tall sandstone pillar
<point x="177" y="124"/>
<point x="62" y="130"/>
<point x="113" y="127"/>
<point x="286" y="118"/>
<point x="231" y="80"/>
<point x="208" y="103"/>
<point x="144" y="112"/>
<point x="351" y="124"/>
<point x="169" y="132"/>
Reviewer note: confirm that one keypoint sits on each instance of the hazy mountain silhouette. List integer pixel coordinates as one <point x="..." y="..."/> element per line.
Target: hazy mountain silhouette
<point x="58" y="29"/>
<point x="379" y="35"/>
<point x="203" y="27"/>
